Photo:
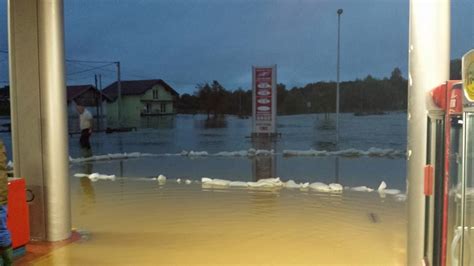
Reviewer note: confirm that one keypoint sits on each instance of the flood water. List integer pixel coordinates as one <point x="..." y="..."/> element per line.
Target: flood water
<point x="137" y="220"/>
<point x="165" y="136"/>
<point x="141" y="222"/>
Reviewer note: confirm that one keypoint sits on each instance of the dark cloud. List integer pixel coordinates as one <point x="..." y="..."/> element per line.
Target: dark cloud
<point x="188" y="42"/>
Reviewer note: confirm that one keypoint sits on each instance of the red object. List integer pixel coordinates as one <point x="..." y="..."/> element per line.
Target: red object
<point x="455" y="100"/>
<point x="429" y="176"/>
<point x="447" y="96"/>
<point x="447" y="152"/>
<point x="438" y="95"/>
<point x="454" y="108"/>
<point x="18" y="217"/>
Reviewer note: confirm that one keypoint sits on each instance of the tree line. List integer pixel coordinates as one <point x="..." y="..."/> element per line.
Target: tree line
<point x="362" y="95"/>
<point x="368" y="95"/>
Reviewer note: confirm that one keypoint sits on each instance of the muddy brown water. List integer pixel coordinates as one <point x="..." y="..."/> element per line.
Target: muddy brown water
<point x="139" y="222"/>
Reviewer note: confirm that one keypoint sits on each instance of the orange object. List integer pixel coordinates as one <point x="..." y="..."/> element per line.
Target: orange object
<point x="429" y="176"/>
<point x="18" y="217"/>
<point x="438" y="95"/>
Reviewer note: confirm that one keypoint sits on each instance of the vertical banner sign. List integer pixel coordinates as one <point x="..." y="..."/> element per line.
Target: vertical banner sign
<point x="264" y="100"/>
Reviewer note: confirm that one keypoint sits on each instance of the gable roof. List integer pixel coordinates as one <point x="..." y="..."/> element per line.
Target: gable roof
<point x="77" y="90"/>
<point x="136" y="87"/>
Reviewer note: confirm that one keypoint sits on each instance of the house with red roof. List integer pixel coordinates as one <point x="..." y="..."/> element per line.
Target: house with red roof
<point x="141" y="98"/>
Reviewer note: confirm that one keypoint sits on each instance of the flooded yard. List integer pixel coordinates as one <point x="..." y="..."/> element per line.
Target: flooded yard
<point x="132" y="218"/>
<point x="139" y="221"/>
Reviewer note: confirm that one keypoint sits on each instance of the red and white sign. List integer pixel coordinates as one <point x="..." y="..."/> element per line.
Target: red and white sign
<point x="264" y="99"/>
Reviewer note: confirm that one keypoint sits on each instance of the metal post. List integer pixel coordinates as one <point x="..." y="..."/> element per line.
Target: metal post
<point x="98" y="101"/>
<point x="119" y="95"/>
<point x="339" y="13"/>
<point x="429" y="49"/>
<point x="99" y="126"/>
<point x="39" y="113"/>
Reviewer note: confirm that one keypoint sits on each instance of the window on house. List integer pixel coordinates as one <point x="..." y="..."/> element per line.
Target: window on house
<point x="155" y="94"/>
<point x="163" y="108"/>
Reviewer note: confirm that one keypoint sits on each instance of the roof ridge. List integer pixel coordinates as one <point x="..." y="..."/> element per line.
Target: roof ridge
<point x="139" y="86"/>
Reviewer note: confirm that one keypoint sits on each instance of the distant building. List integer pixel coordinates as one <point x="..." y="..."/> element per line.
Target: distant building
<point x="90" y="97"/>
<point x="141" y="98"/>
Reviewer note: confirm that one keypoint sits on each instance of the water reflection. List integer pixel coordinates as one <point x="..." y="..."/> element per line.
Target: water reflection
<point x="264" y="200"/>
<point x="200" y="227"/>
<point x="158" y="122"/>
<point x="218" y="122"/>
<point x="325" y="145"/>
<point x="88" y="192"/>
<point x="264" y="166"/>
<point x="326" y="123"/>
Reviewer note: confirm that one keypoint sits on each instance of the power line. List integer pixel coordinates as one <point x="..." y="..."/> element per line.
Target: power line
<point x="79" y="77"/>
<point x="106" y="63"/>
<point x="90" y="61"/>
<point x="75" y="60"/>
<point x="128" y="74"/>
<point x="108" y="70"/>
<point x="81" y="67"/>
<point x="79" y="64"/>
<point x="90" y="69"/>
<point x="89" y="77"/>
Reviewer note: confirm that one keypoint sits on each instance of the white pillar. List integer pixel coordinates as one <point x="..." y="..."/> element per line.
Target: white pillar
<point x="429" y="58"/>
<point x="39" y="112"/>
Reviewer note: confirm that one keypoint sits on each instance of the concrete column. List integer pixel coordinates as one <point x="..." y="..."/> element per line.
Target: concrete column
<point x="429" y="56"/>
<point x="39" y="113"/>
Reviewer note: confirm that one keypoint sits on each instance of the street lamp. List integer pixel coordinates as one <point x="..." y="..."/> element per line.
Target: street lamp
<point x="339" y="13"/>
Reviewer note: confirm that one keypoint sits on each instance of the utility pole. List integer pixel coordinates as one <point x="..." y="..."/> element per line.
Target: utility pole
<point x="119" y="95"/>
<point x="97" y="103"/>
<point x="100" y="103"/>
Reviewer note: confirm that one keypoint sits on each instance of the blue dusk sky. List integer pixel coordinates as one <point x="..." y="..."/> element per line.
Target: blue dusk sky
<point x="186" y="42"/>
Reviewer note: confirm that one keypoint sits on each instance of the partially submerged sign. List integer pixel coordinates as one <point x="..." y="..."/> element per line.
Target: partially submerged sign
<point x="264" y="100"/>
<point x="468" y="75"/>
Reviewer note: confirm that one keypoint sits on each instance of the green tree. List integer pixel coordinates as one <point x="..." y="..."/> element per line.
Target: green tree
<point x="218" y="95"/>
<point x="205" y="99"/>
<point x="455" y="69"/>
<point x="366" y="95"/>
<point x="396" y="75"/>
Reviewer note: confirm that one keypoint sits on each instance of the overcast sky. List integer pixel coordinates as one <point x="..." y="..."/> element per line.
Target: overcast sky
<point x="186" y="42"/>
